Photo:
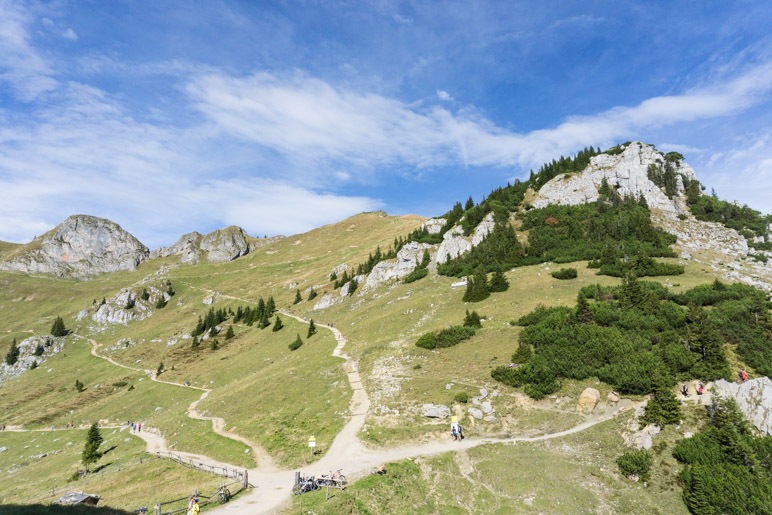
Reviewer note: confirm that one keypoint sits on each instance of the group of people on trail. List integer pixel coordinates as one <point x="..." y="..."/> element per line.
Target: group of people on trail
<point x="685" y="389"/>
<point x="456" y="431"/>
<point x="135" y="426"/>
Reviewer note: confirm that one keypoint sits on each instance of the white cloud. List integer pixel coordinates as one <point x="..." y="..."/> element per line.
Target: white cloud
<point x="303" y="116"/>
<point x="444" y="95"/>
<point x="70" y="34"/>
<point x="20" y="64"/>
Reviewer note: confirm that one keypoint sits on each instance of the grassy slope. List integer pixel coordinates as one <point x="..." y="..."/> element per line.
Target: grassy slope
<point x="265" y="392"/>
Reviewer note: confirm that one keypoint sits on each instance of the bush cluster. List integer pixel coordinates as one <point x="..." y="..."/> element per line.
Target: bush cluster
<point x="565" y="273"/>
<point x="447" y="337"/>
<point x="635" y="464"/>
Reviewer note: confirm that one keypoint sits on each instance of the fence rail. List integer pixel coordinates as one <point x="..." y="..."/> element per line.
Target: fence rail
<point x="231" y="473"/>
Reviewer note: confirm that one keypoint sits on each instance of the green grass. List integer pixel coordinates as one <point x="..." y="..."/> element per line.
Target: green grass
<point x="279" y="398"/>
<point x="121" y="477"/>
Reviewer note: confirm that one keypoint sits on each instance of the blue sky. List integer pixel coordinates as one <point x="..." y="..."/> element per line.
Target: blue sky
<point x="168" y="117"/>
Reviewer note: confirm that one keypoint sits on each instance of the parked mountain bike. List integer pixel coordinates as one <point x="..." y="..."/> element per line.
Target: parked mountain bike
<point x="223" y="494"/>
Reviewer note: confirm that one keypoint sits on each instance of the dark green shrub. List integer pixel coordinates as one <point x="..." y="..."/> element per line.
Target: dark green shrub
<point x="461" y="397"/>
<point x="565" y="273"/>
<point x="427" y="341"/>
<point x="418" y="273"/>
<point x="635" y="463"/>
<point x="447" y="337"/>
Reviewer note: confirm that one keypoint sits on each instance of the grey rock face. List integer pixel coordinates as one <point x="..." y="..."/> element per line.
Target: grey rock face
<point x="225" y="244"/>
<point x="27" y="350"/>
<point x="407" y="260"/>
<point x="434" y="225"/>
<point x="435" y="411"/>
<point x="626" y="172"/>
<point x="454" y="243"/>
<point x="80" y="247"/>
<point x="188" y="247"/>
<point x="754" y="397"/>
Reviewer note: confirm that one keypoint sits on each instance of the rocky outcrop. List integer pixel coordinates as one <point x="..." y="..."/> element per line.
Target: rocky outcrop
<point x="435" y="411"/>
<point x="33" y="352"/>
<point x="627" y="173"/>
<point x="454" y="243"/>
<point x="80" y="247"/>
<point x="225" y="244"/>
<point x="188" y="247"/>
<point x="754" y="397"/>
<point x="408" y="258"/>
<point x="434" y="225"/>
<point x="218" y="246"/>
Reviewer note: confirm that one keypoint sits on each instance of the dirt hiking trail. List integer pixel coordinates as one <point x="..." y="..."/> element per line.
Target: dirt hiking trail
<point x="273" y="486"/>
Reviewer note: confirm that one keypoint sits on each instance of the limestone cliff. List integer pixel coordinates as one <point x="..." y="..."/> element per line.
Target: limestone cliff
<point x="80" y="247"/>
<point x="217" y="247"/>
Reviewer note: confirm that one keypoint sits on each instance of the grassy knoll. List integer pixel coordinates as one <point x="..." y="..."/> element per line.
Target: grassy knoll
<point x="121" y="477"/>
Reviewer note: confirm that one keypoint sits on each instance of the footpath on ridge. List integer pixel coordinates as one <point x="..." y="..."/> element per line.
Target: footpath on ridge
<point x="273" y="486"/>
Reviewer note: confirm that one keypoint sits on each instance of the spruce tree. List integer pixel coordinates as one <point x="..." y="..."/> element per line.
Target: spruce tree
<point x="583" y="311"/>
<point x="215" y="344"/>
<point x="312" y="294"/>
<point x="130" y="303"/>
<point x="91" y="452"/>
<point x="278" y="324"/>
<point x="229" y="333"/>
<point x="79" y="386"/>
<point x="477" y="287"/>
<point x="298" y="298"/>
<point x="195" y="343"/>
<point x="145" y="295"/>
<point x="13" y="354"/>
<point x="57" y="328"/>
<point x="296" y="344"/>
<point x="270" y="306"/>
<point x="499" y="282"/>
<point x="311" y="329"/>
<point x="352" y="287"/>
<point x="264" y="320"/>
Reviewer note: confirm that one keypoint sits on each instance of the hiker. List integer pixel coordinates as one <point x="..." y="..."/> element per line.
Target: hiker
<point x="700" y="389"/>
<point x="453" y="432"/>
<point x="743" y="376"/>
<point x="139" y="428"/>
<point x="460" y="431"/>
<point x="685" y="390"/>
<point x="195" y="509"/>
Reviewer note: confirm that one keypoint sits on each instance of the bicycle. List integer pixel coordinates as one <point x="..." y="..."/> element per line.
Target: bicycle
<point x="223" y="495"/>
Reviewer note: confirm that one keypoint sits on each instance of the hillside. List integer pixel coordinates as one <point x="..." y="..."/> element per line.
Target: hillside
<point x="129" y="327"/>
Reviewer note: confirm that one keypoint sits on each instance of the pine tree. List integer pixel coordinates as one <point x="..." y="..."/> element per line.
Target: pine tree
<point x="278" y="324"/>
<point x="270" y="306"/>
<point x="145" y="295"/>
<point x="161" y="303"/>
<point x="215" y="344"/>
<point x="57" y="328"/>
<point x="296" y="344"/>
<point x="583" y="311"/>
<point x="91" y="452"/>
<point x="130" y="303"/>
<point x="79" y="386"/>
<point x="499" y="282"/>
<point x="229" y="333"/>
<point x="13" y="354"/>
<point x="264" y="320"/>
<point x="311" y="329"/>
<point x="352" y="287"/>
<point x="195" y="343"/>
<point x="425" y="260"/>
<point x="160" y="369"/>
<point x="477" y="287"/>
<point x="312" y="294"/>
<point x="298" y="298"/>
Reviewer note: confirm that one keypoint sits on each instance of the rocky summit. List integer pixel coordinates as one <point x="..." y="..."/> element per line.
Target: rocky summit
<point x="80" y="247"/>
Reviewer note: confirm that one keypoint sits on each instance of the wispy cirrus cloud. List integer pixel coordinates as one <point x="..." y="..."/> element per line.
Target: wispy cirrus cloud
<point x="299" y="115"/>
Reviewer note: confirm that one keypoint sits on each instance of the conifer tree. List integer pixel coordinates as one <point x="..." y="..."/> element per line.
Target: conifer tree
<point x="13" y="354"/>
<point x="352" y="287"/>
<point x="264" y="320"/>
<point x="79" y="386"/>
<point x="477" y="287"/>
<point x="298" y="298"/>
<point x="145" y="295"/>
<point x="583" y="311"/>
<point x="270" y="306"/>
<point x="91" y="452"/>
<point x="296" y="344"/>
<point x="215" y="344"/>
<point x="195" y="343"/>
<point x="312" y="294"/>
<point x="161" y="302"/>
<point x="58" y="329"/>
<point x="229" y="333"/>
<point x="278" y="324"/>
<point x="311" y="329"/>
<point x="499" y="281"/>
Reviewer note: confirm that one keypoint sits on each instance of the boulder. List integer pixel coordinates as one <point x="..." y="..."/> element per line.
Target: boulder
<point x="588" y="400"/>
<point x="435" y="411"/>
<point x="487" y="408"/>
<point x="225" y="244"/>
<point x="475" y="413"/>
